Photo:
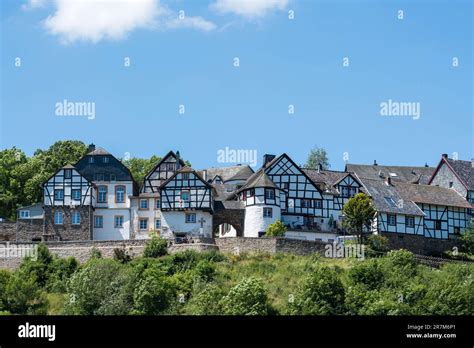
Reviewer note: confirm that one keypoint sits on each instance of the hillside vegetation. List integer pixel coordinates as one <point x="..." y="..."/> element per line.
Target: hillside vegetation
<point x="211" y="283"/>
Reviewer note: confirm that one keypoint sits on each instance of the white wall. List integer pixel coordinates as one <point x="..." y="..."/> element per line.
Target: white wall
<point x="174" y="222"/>
<point x="325" y="237"/>
<point x="151" y="214"/>
<point x="255" y="222"/>
<point x="108" y="231"/>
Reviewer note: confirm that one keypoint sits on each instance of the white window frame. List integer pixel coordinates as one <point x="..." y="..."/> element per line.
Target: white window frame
<point x="146" y="203"/>
<point x="101" y="219"/>
<point x="145" y="227"/>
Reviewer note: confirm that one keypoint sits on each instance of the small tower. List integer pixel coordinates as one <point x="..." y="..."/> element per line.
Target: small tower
<point x="262" y="204"/>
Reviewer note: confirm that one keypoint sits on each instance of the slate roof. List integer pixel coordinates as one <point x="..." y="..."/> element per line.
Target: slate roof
<point x="228" y="173"/>
<point x="258" y="179"/>
<point x="431" y="194"/>
<point x="379" y="191"/>
<point x="407" y="174"/>
<point x="325" y="178"/>
<point x="464" y="170"/>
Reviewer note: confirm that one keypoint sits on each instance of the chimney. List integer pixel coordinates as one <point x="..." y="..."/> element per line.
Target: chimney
<point x="204" y="174"/>
<point x="444" y="155"/>
<point x="267" y="159"/>
<point x="426" y="164"/>
<point x="375" y="163"/>
<point x="91" y="148"/>
<point x="320" y="167"/>
<point x="388" y="181"/>
<point x="178" y="160"/>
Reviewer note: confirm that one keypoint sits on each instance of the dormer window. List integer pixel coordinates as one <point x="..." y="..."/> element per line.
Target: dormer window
<point x="105" y="159"/>
<point x="91" y="159"/>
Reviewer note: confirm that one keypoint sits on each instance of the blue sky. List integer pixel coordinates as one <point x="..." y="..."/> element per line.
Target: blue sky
<point x="282" y="62"/>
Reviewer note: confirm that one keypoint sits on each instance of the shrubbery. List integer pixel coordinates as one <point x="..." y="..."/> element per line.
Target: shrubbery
<point x="155" y="247"/>
<point x="248" y="297"/>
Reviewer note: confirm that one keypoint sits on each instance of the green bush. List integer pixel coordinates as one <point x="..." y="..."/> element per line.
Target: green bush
<point x="95" y="253"/>
<point x="321" y="293"/>
<point x="276" y="229"/>
<point x="60" y="271"/>
<point x="23" y="294"/>
<point x="467" y="240"/>
<point x="153" y="294"/>
<point x="92" y="285"/>
<point x="362" y="301"/>
<point x="122" y="255"/>
<point x="155" y="247"/>
<point x="5" y="276"/>
<point x="206" y="302"/>
<point x="205" y="270"/>
<point x="248" y="297"/>
<point x="368" y="273"/>
<point x="377" y="245"/>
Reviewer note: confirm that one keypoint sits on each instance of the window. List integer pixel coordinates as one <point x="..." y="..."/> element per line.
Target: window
<point x="98" y="177"/>
<point x="170" y="167"/>
<point x="113" y="177"/>
<point x="185" y="195"/>
<point x="390" y="201"/>
<point x="24" y="214"/>
<point x="391" y="219"/>
<point x="438" y="225"/>
<point x="269" y="193"/>
<point x="157" y="224"/>
<point x="190" y="218"/>
<point x="143" y="203"/>
<point x="102" y="194"/>
<point x="409" y="221"/>
<point x="59" y="195"/>
<point x="98" y="221"/>
<point x="76" y="218"/>
<point x="318" y="204"/>
<point x="76" y="195"/>
<point x="267" y="212"/>
<point x="105" y="159"/>
<point x="352" y="191"/>
<point x="345" y="191"/>
<point x="91" y="159"/>
<point x="58" y="218"/>
<point x="143" y="224"/>
<point x="157" y="203"/>
<point x="306" y="203"/>
<point x="118" y="221"/>
<point x="119" y="194"/>
<point x="67" y="173"/>
<point x="226" y="228"/>
<point x="185" y="176"/>
<point x="251" y="193"/>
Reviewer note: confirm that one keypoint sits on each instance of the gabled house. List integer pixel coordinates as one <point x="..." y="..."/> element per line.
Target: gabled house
<point x="457" y="175"/>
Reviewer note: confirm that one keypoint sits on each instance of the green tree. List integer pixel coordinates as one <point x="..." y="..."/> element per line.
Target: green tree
<point x="155" y="247"/>
<point x="139" y="167"/>
<point x="92" y="285"/>
<point x="276" y="229"/>
<point x="321" y="293"/>
<point x="358" y="214"/>
<point x="5" y="276"/>
<point x="12" y="181"/>
<point x="317" y="156"/>
<point x="467" y="240"/>
<point x="248" y="297"/>
<point x="206" y="302"/>
<point x="23" y="295"/>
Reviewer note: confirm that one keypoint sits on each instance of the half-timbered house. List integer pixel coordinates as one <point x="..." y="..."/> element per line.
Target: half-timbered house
<point x="186" y="204"/>
<point x="69" y="200"/>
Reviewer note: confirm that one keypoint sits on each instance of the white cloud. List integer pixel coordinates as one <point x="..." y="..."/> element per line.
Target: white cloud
<point x="191" y="22"/>
<point x="248" y="8"/>
<point x="96" y="20"/>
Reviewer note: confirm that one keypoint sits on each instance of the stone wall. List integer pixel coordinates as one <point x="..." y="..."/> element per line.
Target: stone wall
<point x="269" y="245"/>
<point x="67" y="231"/>
<point x="419" y="244"/>
<point x="7" y="230"/>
